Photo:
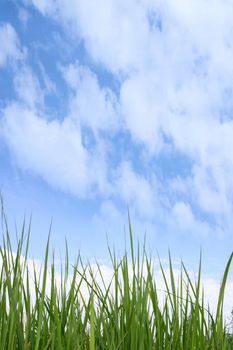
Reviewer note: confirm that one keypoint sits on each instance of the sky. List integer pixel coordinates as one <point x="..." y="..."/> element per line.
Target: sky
<point x="112" y="106"/>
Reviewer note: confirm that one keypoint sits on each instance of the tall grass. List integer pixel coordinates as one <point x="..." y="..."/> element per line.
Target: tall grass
<point x="39" y="311"/>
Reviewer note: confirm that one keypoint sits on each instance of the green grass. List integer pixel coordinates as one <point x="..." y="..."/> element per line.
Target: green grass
<point x="81" y="310"/>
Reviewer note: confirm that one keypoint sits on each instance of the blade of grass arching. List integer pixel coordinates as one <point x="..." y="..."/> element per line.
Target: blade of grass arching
<point x="36" y="283"/>
<point x="41" y="300"/>
<point x="171" y="300"/>
<point x="102" y="307"/>
<point x="222" y="288"/>
<point x="200" y="310"/>
<point x="49" y="342"/>
<point x="74" y="291"/>
<point x="116" y="266"/>
<point x="64" y="282"/>
<point x="94" y="287"/>
<point x="127" y="305"/>
<point x="131" y="242"/>
<point x="3" y="320"/>
<point x="128" y="302"/>
<point x="118" y="298"/>
<point x="189" y="279"/>
<point x="71" y="306"/>
<point x="145" y="332"/>
<point x="8" y="248"/>
<point x="26" y="289"/>
<point x="185" y="318"/>
<point x="93" y="284"/>
<point x="27" y="242"/>
<point x="195" y="292"/>
<point x="143" y="302"/>
<point x="168" y="323"/>
<point x="218" y="319"/>
<point x="27" y="304"/>
<point x="52" y="307"/>
<point x="92" y="323"/>
<point x="190" y="283"/>
<point x="86" y="306"/>
<point x="139" y="268"/>
<point x="181" y="301"/>
<point x="105" y="294"/>
<point x="197" y="307"/>
<point x="204" y="336"/>
<point x="8" y="292"/>
<point x="3" y="313"/>
<point x="165" y="317"/>
<point x="103" y="290"/>
<point x="13" y="287"/>
<point x="18" y="306"/>
<point x="119" y="346"/>
<point x="175" y="319"/>
<point x="158" y="318"/>
<point x="117" y="287"/>
<point x="198" y="285"/>
<point x="141" y="263"/>
<point x="173" y="285"/>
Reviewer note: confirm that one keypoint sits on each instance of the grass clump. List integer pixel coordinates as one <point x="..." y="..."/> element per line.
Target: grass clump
<point x="79" y="309"/>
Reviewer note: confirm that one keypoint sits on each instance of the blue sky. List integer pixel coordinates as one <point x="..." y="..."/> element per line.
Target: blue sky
<point x="112" y="105"/>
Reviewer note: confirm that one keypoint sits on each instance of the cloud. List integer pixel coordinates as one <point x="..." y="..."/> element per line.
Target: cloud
<point x="109" y="33"/>
<point x="173" y="64"/>
<point x="11" y="50"/>
<point x="49" y="84"/>
<point x="136" y="191"/>
<point x="183" y="219"/>
<point x="92" y="105"/>
<point x="42" y="5"/>
<point x="59" y="151"/>
<point x="183" y="214"/>
<point x="52" y="149"/>
<point x="23" y="16"/>
<point x="27" y="87"/>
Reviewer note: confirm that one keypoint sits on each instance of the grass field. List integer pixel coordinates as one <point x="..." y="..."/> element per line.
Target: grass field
<point x="39" y="311"/>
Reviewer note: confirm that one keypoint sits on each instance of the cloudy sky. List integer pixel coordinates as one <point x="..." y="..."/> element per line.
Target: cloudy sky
<point x="112" y="105"/>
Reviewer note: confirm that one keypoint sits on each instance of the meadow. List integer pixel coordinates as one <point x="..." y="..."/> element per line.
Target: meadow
<point x="40" y="311"/>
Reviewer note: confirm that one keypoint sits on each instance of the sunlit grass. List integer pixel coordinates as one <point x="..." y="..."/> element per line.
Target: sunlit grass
<point x="40" y="311"/>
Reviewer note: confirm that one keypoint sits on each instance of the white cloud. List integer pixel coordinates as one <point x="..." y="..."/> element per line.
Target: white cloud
<point x="108" y="28"/>
<point x="50" y="86"/>
<point x="136" y="191"/>
<point x="208" y="143"/>
<point x="174" y="64"/>
<point x="111" y="219"/>
<point x="28" y="87"/>
<point x="213" y="190"/>
<point x="110" y="32"/>
<point x="52" y="150"/>
<point x="43" y="6"/>
<point x="183" y="214"/>
<point x="211" y="288"/>
<point x="183" y="220"/>
<point x="92" y="105"/>
<point x="142" y="107"/>
<point x="11" y="50"/>
<point x="108" y="219"/>
<point x="23" y="16"/>
<point x="57" y="150"/>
